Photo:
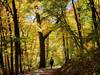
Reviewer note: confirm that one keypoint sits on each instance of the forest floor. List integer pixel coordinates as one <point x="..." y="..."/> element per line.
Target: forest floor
<point x="44" y="71"/>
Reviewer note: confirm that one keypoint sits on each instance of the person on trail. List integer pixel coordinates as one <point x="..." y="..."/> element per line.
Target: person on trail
<point x="51" y="62"/>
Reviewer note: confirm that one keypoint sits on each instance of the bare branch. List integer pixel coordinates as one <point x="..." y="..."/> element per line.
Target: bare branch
<point x="45" y="36"/>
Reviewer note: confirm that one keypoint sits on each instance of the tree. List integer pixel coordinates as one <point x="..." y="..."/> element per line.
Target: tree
<point x="11" y="39"/>
<point x="42" y="43"/>
<point x="65" y="46"/>
<point x="17" y="39"/>
<point x="78" y="27"/>
<point x="1" y="55"/>
<point x="94" y="21"/>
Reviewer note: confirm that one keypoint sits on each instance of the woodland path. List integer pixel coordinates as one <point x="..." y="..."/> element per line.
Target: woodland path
<point x="43" y="71"/>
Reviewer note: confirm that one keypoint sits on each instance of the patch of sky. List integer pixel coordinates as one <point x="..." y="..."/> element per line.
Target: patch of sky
<point x="69" y="6"/>
<point x="39" y="10"/>
<point x="31" y="18"/>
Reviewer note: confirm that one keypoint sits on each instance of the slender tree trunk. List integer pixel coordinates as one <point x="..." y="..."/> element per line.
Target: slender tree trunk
<point x="66" y="44"/>
<point x="47" y="47"/>
<point x="7" y="68"/>
<point x="20" y="61"/>
<point x="11" y="46"/>
<point x="11" y="58"/>
<point x="17" y="41"/>
<point x="8" y="64"/>
<point x="5" y="46"/>
<point x="1" y="58"/>
<point x="11" y="41"/>
<point x="94" y="22"/>
<point x="42" y="50"/>
<point x="64" y="47"/>
<point x="78" y="27"/>
<point x="1" y="55"/>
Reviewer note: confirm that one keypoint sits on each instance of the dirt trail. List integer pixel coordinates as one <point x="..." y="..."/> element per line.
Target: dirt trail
<point x="43" y="71"/>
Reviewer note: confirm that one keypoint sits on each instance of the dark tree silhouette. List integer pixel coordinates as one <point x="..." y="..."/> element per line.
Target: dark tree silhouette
<point x="78" y="27"/>
<point x="94" y="21"/>
<point x="17" y="39"/>
<point x="42" y="43"/>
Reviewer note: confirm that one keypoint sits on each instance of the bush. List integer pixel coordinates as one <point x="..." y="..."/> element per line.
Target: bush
<point x="97" y="68"/>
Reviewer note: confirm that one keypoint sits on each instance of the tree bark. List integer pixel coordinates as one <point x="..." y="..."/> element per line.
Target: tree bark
<point x="42" y="43"/>
<point x="11" y="58"/>
<point x="47" y="47"/>
<point x="94" y="22"/>
<point x="1" y="55"/>
<point x="11" y="41"/>
<point x="4" y="32"/>
<point x="78" y="27"/>
<point x="64" y="47"/>
<point x="42" y="50"/>
<point x="17" y="39"/>
<point x="1" y="58"/>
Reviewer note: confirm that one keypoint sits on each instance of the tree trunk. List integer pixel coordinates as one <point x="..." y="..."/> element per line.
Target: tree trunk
<point x="47" y="47"/>
<point x="1" y="58"/>
<point x="11" y="41"/>
<point x="64" y="47"/>
<point x="5" y="47"/>
<point x="94" y="22"/>
<point x="17" y="41"/>
<point x="11" y="58"/>
<point x="42" y="42"/>
<point x="1" y="55"/>
<point x="42" y="50"/>
<point x="11" y="46"/>
<point x="20" y="59"/>
<point x="78" y="27"/>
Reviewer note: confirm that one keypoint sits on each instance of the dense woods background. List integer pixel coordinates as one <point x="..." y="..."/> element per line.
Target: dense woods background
<point x="33" y="31"/>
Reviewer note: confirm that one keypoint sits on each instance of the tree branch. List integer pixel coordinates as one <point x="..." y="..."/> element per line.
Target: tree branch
<point x="97" y="14"/>
<point x="45" y="36"/>
<point x="8" y="8"/>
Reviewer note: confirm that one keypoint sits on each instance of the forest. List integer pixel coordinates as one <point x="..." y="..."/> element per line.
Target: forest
<point x="49" y="37"/>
